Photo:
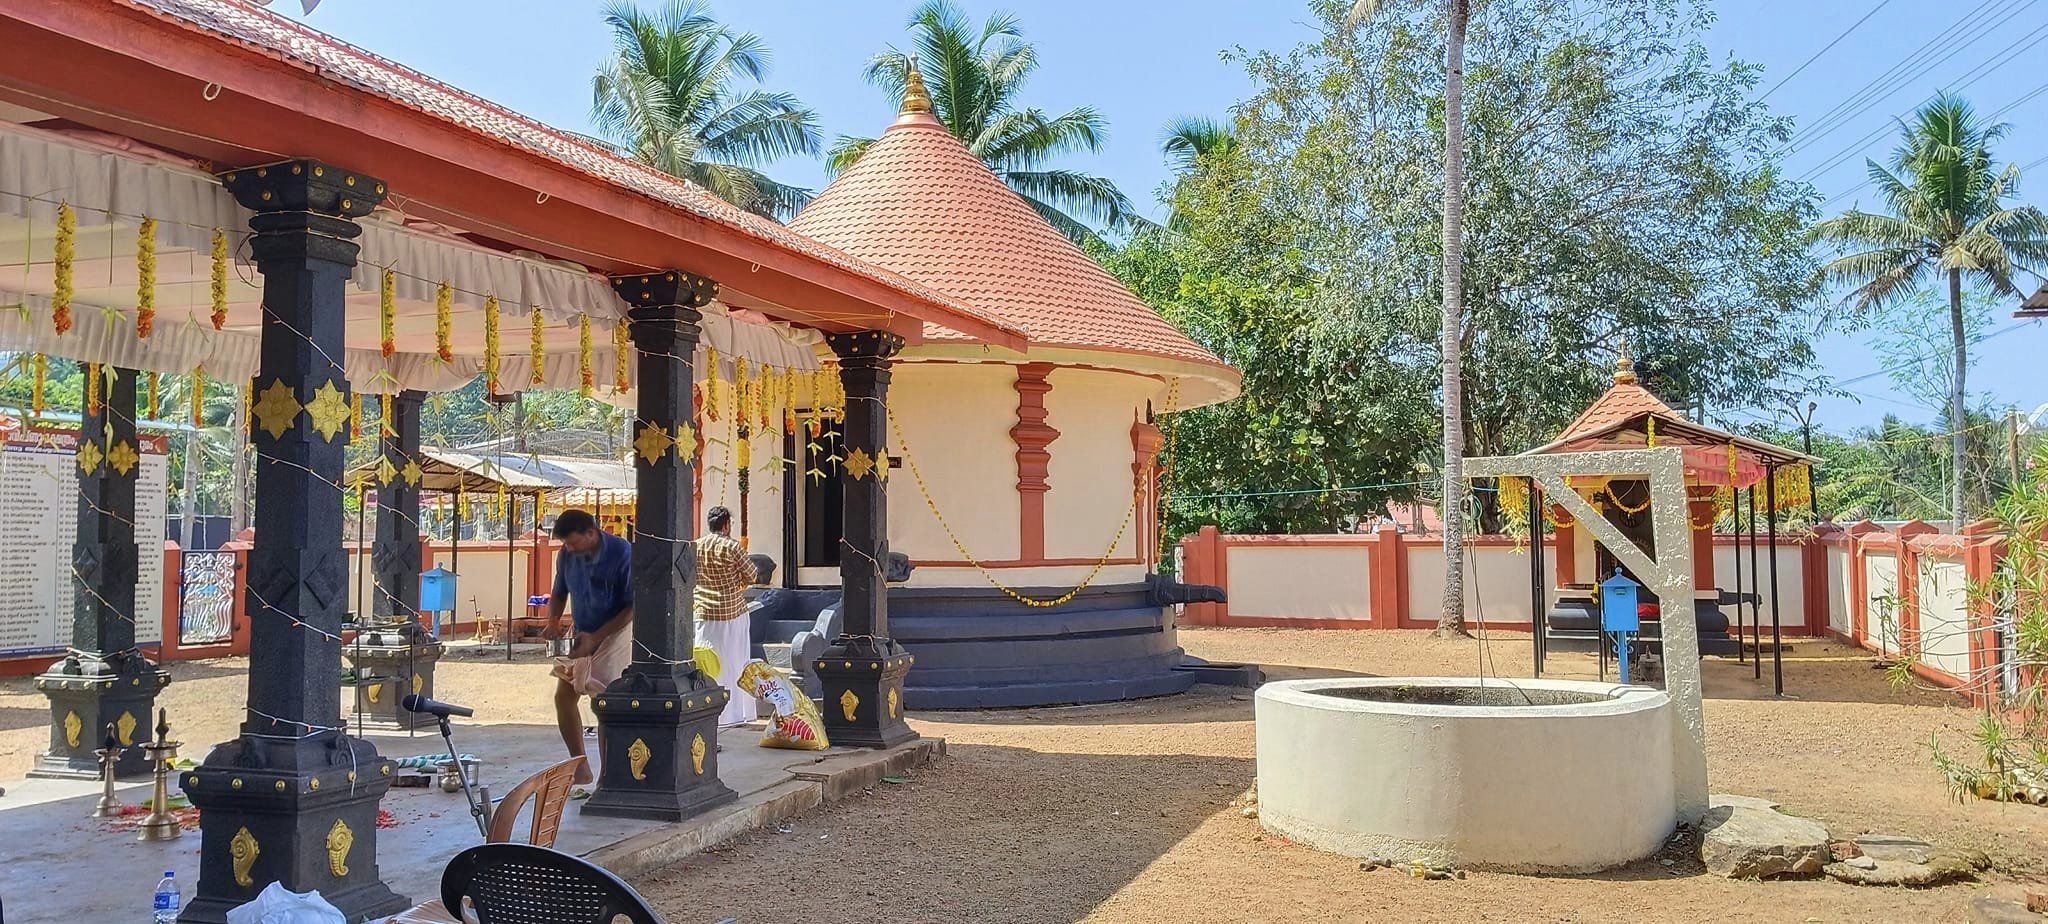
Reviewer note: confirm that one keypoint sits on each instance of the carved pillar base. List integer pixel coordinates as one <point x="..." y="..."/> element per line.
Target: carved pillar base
<point x="302" y="813"/>
<point x="402" y="661"/>
<point x="86" y="695"/>
<point x="863" y="703"/>
<point x="660" y="747"/>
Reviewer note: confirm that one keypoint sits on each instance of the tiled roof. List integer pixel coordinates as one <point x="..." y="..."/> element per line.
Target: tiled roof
<point x="1625" y="400"/>
<point x="918" y="202"/>
<point x="239" y="21"/>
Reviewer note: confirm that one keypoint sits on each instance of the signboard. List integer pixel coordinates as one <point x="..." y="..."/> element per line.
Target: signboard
<point x="39" y="523"/>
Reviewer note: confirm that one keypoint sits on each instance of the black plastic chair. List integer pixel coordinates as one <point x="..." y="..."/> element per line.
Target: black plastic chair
<point x="524" y="884"/>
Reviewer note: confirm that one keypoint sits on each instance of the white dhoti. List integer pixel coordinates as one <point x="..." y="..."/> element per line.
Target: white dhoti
<point x="733" y="640"/>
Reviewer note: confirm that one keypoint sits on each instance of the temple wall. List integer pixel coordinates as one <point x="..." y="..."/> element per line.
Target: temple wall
<point x="1091" y="461"/>
<point x="956" y="418"/>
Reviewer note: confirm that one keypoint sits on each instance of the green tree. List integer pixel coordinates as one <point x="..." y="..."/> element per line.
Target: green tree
<point x="670" y="99"/>
<point x="974" y="75"/>
<point x="1620" y="186"/>
<point x="1457" y="17"/>
<point x="1947" y="219"/>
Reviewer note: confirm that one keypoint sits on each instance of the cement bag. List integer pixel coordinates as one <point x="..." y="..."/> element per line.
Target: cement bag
<point x="279" y="905"/>
<point x="793" y="720"/>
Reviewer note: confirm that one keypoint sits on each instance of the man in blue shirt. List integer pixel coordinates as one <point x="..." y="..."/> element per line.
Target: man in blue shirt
<point x="594" y="580"/>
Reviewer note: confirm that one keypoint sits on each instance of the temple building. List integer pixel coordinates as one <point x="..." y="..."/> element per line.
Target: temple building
<point x="1024" y="490"/>
<point x="1722" y="470"/>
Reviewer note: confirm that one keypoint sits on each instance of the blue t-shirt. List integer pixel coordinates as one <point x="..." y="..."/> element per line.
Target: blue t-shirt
<point x="598" y="586"/>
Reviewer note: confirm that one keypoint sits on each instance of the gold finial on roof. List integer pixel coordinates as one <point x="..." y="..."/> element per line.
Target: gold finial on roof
<point x="915" y="97"/>
<point x="1624" y="367"/>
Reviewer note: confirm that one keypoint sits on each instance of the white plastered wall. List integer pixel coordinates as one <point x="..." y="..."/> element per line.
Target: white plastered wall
<point x="1300" y="581"/>
<point x="1090" y="472"/>
<point x="956" y="420"/>
<point x="1945" y="615"/>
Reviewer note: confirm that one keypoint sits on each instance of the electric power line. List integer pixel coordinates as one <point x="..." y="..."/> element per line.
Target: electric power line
<point x="1824" y="50"/>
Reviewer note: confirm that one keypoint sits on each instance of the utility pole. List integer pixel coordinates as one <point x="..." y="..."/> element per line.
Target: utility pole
<point x="2012" y="452"/>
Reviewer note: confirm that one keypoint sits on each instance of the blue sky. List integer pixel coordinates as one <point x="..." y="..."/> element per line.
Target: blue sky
<point x="1144" y="63"/>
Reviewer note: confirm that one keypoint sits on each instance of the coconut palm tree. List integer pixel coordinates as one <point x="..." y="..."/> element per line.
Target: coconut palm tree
<point x="1946" y="219"/>
<point x="669" y="99"/>
<point x="974" y="75"/>
<point x="1457" y="15"/>
<point x="1187" y="140"/>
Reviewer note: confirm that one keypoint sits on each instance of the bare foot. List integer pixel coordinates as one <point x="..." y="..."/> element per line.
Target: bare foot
<point x="584" y="776"/>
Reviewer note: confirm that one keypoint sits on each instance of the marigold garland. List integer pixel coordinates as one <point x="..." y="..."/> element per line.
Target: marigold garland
<point x="149" y="412"/>
<point x="145" y="279"/>
<point x="585" y="378"/>
<point x="444" y="297"/>
<point x="92" y="388"/>
<point x="355" y="415"/>
<point x="387" y="313"/>
<point x="491" y="343"/>
<point x="711" y="385"/>
<point x="1651" y="425"/>
<point x="217" y="281"/>
<point x="384" y="415"/>
<point x="199" y="396"/>
<point x="537" y="349"/>
<point x="66" y="254"/>
<point x="622" y="358"/>
<point x="36" y="397"/>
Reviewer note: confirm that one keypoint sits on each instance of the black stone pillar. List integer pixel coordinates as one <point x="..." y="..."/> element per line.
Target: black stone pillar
<point x="396" y="655"/>
<point x="294" y="799"/>
<point x="659" y="722"/>
<point x="862" y="671"/>
<point x="103" y="680"/>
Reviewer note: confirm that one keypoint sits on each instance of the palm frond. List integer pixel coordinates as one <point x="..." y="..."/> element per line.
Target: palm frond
<point x="844" y="152"/>
<point x="1075" y="195"/>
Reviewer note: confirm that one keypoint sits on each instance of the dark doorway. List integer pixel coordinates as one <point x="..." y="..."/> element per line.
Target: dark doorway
<point x="823" y="495"/>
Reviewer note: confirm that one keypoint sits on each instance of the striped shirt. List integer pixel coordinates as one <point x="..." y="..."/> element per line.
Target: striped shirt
<point x="723" y="575"/>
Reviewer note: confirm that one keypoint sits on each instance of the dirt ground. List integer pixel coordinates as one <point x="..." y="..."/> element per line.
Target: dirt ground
<point x="1123" y="813"/>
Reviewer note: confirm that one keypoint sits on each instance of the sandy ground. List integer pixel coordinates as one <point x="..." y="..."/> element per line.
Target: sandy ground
<point x="1123" y="813"/>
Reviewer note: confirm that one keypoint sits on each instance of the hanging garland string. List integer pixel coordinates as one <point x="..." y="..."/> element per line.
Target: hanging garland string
<point x="622" y="357"/>
<point x="384" y="427"/>
<point x="92" y="388"/>
<point x="387" y="313"/>
<point x="443" y="322"/>
<point x="355" y="415"/>
<point x="199" y="396"/>
<point x="217" y="280"/>
<point x="42" y="374"/>
<point x="149" y="412"/>
<point x="586" y="380"/>
<point x="1651" y="425"/>
<point x="710" y="401"/>
<point x="491" y="344"/>
<point x="66" y="255"/>
<point x="536" y="349"/>
<point x="145" y="279"/>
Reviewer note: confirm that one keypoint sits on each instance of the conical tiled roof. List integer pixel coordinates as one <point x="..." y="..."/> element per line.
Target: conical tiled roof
<point x="1626" y="399"/>
<point x="919" y="203"/>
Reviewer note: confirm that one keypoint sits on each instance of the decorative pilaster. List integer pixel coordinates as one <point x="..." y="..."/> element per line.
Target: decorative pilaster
<point x="294" y="799"/>
<point x="659" y="721"/>
<point x="1146" y="441"/>
<point x="1034" y="457"/>
<point x="103" y="681"/>
<point x="396" y="656"/>
<point x="862" y="671"/>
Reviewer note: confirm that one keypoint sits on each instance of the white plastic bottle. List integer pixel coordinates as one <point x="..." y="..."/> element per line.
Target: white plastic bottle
<point x="167" y="900"/>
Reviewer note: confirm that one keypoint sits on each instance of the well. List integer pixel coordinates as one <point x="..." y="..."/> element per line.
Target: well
<point x="1524" y="775"/>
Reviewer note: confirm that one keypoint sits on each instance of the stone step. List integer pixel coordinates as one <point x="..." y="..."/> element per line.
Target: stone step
<point x="778" y="655"/>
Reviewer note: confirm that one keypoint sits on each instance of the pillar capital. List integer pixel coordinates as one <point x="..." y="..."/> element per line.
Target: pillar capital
<point x="865" y="345"/>
<point x="665" y="288"/>
<point x="304" y="185"/>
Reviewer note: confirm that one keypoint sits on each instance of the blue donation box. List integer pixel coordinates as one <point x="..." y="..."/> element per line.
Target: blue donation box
<point x="1619" y="615"/>
<point x="1618" y="604"/>
<point x="437" y="590"/>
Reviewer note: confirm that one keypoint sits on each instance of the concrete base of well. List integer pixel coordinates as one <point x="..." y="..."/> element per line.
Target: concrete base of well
<point x="1516" y="775"/>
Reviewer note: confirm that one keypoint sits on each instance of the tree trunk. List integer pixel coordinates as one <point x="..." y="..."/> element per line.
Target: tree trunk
<point x="1452" y="621"/>
<point x="238" y="518"/>
<point x="1958" y="411"/>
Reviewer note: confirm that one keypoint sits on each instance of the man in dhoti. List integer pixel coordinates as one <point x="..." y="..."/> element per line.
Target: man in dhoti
<point x="723" y="575"/>
<point x="594" y="580"/>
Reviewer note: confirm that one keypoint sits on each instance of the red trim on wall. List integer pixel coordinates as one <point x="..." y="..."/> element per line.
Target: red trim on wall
<point x="1033" y="437"/>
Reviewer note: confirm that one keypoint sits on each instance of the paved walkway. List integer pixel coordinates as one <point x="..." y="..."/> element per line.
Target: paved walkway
<point x="63" y="865"/>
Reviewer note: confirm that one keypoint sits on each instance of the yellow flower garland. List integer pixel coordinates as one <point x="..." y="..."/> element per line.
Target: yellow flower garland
<point x="711" y="385"/>
<point x="66" y="254"/>
<point x="145" y="279"/>
<point x="217" y="280"/>
<point x="491" y="343"/>
<point x="536" y="348"/>
<point x="585" y="378"/>
<point x="199" y="396"/>
<point x="387" y="313"/>
<point x="384" y="427"/>
<point x="622" y="357"/>
<point x="150" y="411"/>
<point x="355" y="415"/>
<point x="443" y="323"/>
<point x="1651" y="424"/>
<point x="92" y="388"/>
<point x="36" y="397"/>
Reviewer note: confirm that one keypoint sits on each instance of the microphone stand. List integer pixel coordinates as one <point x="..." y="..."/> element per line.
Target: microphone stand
<point x="480" y="812"/>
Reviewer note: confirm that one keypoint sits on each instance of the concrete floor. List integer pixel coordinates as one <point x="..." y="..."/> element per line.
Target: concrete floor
<point x="61" y="865"/>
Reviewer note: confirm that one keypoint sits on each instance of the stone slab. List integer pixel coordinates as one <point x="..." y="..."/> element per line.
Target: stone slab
<point x="1894" y="860"/>
<point x="1748" y="838"/>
